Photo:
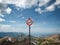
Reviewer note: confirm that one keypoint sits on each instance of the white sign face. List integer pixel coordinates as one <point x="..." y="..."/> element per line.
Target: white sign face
<point x="29" y="21"/>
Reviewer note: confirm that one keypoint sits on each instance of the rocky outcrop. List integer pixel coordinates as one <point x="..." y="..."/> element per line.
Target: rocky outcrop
<point x="13" y="41"/>
<point x="52" y="40"/>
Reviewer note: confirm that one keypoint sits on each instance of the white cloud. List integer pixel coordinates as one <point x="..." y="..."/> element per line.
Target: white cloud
<point x="12" y="21"/>
<point x="21" y="3"/>
<point x="13" y="28"/>
<point x="8" y="10"/>
<point x="57" y="2"/>
<point x="43" y="2"/>
<point x="1" y="15"/>
<point x="0" y="1"/>
<point x="5" y="26"/>
<point x="4" y="8"/>
<point x="38" y="10"/>
<point x="50" y="8"/>
<point x="47" y="8"/>
<point x="20" y="15"/>
<point x="26" y="3"/>
<point x="1" y="19"/>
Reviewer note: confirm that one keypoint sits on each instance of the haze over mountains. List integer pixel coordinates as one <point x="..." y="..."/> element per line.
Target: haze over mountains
<point x="15" y="34"/>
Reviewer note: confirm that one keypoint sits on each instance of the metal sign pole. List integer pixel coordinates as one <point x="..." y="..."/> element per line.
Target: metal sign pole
<point x="29" y="36"/>
<point x="29" y="22"/>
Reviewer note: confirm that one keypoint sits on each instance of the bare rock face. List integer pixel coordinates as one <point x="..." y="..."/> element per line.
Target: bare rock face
<point x="54" y="37"/>
<point x="7" y="40"/>
<point x="52" y="40"/>
<point x="13" y="41"/>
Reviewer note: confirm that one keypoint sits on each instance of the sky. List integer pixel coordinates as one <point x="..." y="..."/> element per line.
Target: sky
<point x="44" y="13"/>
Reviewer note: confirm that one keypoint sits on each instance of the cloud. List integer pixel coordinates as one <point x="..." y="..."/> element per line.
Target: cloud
<point x="26" y="3"/>
<point x="2" y="6"/>
<point x="43" y="2"/>
<point x="22" y="16"/>
<point x="8" y="10"/>
<point x="57" y="2"/>
<point x="5" y="26"/>
<point x="21" y="3"/>
<point x="50" y="8"/>
<point x="47" y="8"/>
<point x="0" y="1"/>
<point x="1" y="15"/>
<point x="53" y="6"/>
<point x="13" y="28"/>
<point x="4" y="9"/>
<point x="12" y="21"/>
<point x="1" y="19"/>
<point x="38" y="10"/>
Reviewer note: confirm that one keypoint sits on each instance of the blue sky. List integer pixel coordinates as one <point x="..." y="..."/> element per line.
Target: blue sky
<point x="45" y="15"/>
